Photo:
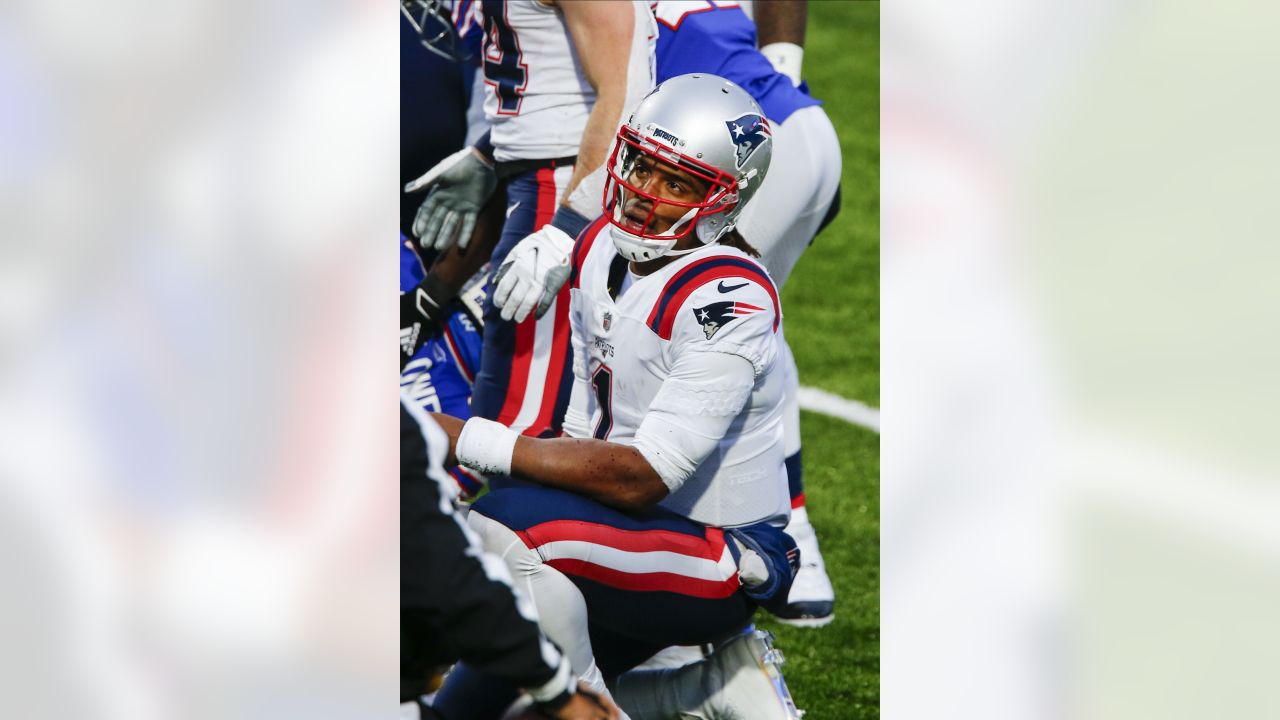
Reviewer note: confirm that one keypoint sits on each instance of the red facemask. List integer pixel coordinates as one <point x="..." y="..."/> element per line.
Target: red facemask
<point x="721" y="191"/>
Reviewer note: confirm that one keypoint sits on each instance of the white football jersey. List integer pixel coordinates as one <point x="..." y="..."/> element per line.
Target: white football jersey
<point x="717" y="299"/>
<point x="537" y="97"/>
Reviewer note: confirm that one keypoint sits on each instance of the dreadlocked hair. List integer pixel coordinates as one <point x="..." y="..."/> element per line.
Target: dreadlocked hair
<point x="734" y="239"/>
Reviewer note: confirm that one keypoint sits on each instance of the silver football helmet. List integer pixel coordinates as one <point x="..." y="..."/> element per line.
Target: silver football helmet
<point x="703" y="126"/>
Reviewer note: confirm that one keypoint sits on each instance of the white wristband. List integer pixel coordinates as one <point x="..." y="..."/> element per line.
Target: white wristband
<point x="786" y="58"/>
<point x="486" y="446"/>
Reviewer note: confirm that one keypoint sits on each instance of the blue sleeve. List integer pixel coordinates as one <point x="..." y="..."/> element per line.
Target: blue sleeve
<point x="723" y="41"/>
<point x="467" y="339"/>
<point x="434" y="382"/>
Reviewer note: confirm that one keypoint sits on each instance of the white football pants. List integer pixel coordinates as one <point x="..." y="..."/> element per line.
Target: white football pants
<point x="804" y="172"/>
<point x="783" y="217"/>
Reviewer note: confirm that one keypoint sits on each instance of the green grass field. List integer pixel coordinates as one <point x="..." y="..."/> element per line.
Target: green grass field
<point x="832" y="306"/>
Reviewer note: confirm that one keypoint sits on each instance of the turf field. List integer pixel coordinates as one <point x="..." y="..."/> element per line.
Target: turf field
<point x="831" y="303"/>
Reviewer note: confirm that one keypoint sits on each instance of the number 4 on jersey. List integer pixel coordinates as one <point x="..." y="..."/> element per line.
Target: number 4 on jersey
<point x="504" y="67"/>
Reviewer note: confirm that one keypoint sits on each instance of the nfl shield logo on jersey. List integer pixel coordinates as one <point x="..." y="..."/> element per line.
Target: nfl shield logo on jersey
<point x="748" y="133"/>
<point x="608" y="320"/>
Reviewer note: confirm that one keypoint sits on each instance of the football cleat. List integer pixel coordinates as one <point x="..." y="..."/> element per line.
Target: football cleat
<point x="743" y="679"/>
<point x="740" y="680"/>
<point x="811" y="602"/>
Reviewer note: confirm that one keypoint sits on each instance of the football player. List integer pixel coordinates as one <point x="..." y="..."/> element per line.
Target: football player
<point x="558" y="74"/>
<point x="482" y="618"/>
<point x="802" y="196"/>
<point x="439" y="51"/>
<point x="658" y="520"/>
<point x="439" y="374"/>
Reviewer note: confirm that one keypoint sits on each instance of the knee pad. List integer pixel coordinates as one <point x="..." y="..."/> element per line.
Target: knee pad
<point x="502" y="541"/>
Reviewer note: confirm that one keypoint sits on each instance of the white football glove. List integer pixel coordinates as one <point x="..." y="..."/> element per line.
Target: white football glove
<point x="534" y="271"/>
<point x="460" y="185"/>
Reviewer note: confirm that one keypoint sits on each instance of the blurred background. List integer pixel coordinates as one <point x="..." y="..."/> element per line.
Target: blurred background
<point x="1079" y="514"/>
<point x="1080" y="509"/>
<point x="197" y="471"/>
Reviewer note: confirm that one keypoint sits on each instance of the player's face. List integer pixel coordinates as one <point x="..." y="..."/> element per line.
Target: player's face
<point x="666" y="182"/>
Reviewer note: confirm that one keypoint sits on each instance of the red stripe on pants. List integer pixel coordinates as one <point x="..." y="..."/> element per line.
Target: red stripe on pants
<point x="648" y="582"/>
<point x="710" y="547"/>
<point x="526" y="331"/>
<point x="559" y="352"/>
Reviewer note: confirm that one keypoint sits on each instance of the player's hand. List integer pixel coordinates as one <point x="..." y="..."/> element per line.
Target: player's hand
<point x="534" y="271"/>
<point x="420" y="319"/>
<point x="460" y="185"/>
<point x="583" y="705"/>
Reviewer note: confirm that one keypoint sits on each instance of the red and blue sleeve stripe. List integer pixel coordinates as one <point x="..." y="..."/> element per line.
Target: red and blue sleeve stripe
<point x="678" y="289"/>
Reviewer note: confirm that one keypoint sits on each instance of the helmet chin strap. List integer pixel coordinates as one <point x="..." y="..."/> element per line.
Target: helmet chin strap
<point x="667" y="236"/>
<point x="693" y="249"/>
<point x="693" y="212"/>
<point x="691" y="215"/>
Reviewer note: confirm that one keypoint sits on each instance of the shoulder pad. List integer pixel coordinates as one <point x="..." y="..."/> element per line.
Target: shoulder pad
<point x="727" y="273"/>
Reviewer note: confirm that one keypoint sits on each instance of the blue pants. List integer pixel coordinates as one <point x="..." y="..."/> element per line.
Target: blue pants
<point x="650" y="580"/>
<point x="638" y="602"/>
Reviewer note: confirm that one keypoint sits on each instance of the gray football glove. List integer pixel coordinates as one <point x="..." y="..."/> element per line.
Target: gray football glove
<point x="460" y="185"/>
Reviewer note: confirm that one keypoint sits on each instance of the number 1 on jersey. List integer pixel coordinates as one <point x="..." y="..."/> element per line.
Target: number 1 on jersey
<point x="504" y="67"/>
<point x="602" y="383"/>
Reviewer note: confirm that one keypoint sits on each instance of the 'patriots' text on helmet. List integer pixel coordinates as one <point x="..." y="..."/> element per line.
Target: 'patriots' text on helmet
<point x="704" y="126"/>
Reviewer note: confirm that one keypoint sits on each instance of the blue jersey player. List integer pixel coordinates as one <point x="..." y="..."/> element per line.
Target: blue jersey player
<point x="439" y="376"/>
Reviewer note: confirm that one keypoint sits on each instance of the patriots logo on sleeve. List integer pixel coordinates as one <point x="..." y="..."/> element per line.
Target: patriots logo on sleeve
<point x="718" y="314"/>
<point x="748" y="133"/>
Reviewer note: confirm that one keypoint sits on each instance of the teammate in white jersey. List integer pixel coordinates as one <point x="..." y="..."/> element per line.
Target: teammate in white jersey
<point x="558" y="75"/>
<point x="659" y="519"/>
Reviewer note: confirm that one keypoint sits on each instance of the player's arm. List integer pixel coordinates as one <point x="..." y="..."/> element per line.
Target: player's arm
<point x="459" y="263"/>
<point x="685" y="423"/>
<point x="602" y="35"/>
<point x="479" y="620"/>
<point x="424" y="309"/>
<point x="614" y="474"/>
<point x="780" y="29"/>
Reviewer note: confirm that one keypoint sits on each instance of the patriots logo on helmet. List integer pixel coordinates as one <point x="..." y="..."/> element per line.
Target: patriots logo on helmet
<point x="748" y="132"/>
<point x="718" y="314"/>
